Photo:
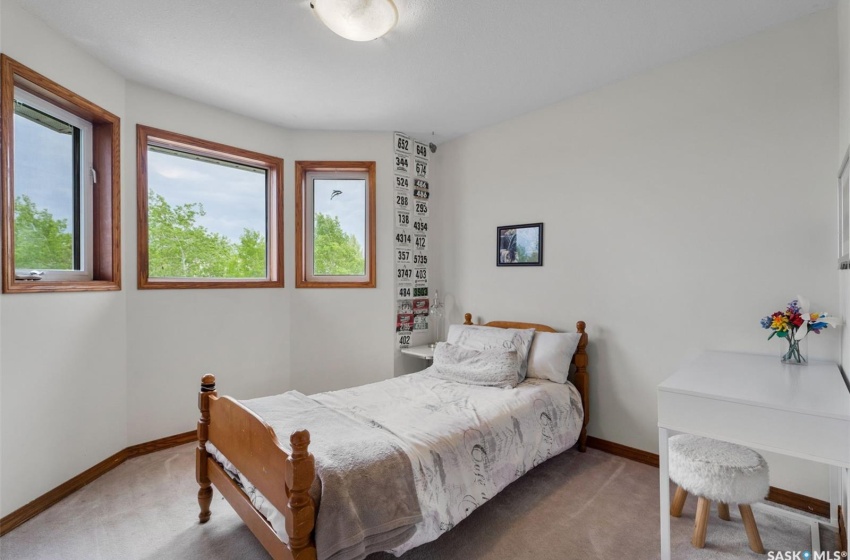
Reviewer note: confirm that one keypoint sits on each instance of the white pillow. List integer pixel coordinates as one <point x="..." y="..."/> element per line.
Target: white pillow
<point x="496" y="367"/>
<point x="477" y="337"/>
<point x="551" y="354"/>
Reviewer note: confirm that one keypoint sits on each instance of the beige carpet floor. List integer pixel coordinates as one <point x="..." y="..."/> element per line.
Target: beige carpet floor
<point x="575" y="506"/>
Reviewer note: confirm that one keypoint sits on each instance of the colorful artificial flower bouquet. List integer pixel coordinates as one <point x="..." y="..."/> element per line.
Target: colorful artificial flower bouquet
<point x="794" y="324"/>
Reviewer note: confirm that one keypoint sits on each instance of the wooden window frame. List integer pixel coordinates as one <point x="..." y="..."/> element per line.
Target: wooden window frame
<point x="302" y="168"/>
<point x="106" y="215"/>
<point x="274" y="208"/>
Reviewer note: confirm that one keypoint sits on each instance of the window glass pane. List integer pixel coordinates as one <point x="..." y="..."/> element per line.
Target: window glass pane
<point x="206" y="217"/>
<point x="339" y="227"/>
<point x="46" y="191"/>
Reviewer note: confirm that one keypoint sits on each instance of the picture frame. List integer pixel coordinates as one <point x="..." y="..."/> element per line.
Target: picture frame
<point x="519" y="245"/>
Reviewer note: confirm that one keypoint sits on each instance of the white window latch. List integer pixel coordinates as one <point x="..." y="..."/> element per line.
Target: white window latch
<point x="93" y="176"/>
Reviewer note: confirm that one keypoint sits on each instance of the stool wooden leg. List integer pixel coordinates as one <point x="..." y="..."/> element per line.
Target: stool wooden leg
<point x="678" y="502"/>
<point x="723" y="511"/>
<point x="752" y="529"/>
<point x="701" y="523"/>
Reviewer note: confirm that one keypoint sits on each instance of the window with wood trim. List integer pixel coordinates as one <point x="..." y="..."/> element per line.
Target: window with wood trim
<point x="335" y="224"/>
<point x="60" y="187"/>
<point x="209" y="215"/>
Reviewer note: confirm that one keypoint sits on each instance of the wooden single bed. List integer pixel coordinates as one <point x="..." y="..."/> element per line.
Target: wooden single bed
<point x="253" y="448"/>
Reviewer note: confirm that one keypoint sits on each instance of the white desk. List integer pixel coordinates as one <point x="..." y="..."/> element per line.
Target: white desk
<point x="425" y="352"/>
<point x="801" y="411"/>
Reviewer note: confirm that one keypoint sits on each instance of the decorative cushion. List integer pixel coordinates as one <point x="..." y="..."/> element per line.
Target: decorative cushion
<point x="496" y="367"/>
<point x="479" y="337"/>
<point x="551" y="354"/>
<point x="718" y="470"/>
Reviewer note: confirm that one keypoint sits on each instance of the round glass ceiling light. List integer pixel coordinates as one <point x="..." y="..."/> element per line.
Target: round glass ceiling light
<point x="357" y="20"/>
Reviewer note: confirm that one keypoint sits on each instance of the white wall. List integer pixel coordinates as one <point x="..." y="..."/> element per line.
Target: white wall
<point x="680" y="207"/>
<point x="175" y="336"/>
<point x="256" y="341"/>
<point x="64" y="400"/>
<point x="343" y="338"/>
<point x="85" y="375"/>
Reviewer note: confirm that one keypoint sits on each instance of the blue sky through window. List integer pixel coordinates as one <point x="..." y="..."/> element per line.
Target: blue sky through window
<point x="233" y="199"/>
<point x="349" y="205"/>
<point x="44" y="168"/>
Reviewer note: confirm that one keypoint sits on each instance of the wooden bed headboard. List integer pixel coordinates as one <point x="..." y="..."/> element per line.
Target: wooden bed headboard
<point x="579" y="377"/>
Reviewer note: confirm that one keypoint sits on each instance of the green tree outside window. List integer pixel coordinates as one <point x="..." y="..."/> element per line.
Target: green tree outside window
<point x="336" y="253"/>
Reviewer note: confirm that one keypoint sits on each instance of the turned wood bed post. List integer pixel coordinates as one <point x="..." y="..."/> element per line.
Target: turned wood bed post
<point x="582" y="382"/>
<point x="300" y="472"/>
<point x="205" y="492"/>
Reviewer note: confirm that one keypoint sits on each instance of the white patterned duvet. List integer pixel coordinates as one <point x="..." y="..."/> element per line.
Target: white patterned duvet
<point x="465" y="442"/>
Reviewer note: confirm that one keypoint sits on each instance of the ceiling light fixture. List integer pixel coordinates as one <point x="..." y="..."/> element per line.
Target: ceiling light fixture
<point x="357" y="20"/>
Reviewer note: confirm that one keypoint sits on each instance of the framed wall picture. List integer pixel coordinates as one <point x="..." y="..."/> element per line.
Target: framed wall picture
<point x="519" y="245"/>
<point x="844" y="213"/>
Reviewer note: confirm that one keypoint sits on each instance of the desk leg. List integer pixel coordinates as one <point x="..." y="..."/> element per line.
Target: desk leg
<point x="664" y="493"/>
<point x="845" y="505"/>
<point x="835" y="493"/>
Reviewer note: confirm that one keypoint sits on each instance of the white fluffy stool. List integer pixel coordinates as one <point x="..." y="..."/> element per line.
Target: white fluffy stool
<point x="717" y="471"/>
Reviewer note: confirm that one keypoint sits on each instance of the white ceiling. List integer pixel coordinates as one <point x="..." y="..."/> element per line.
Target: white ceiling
<point x="450" y="66"/>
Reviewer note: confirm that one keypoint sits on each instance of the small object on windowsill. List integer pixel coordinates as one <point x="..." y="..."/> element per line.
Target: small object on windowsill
<point x="432" y="345"/>
<point x="33" y="276"/>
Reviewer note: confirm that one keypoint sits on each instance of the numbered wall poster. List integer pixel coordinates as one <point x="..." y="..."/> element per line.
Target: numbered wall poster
<point x="411" y="214"/>
<point x="404" y="322"/>
<point x="421" y="168"/>
<point x="402" y="202"/>
<point x="404" y="307"/>
<point x="402" y="219"/>
<point x="420" y="276"/>
<point x="403" y="239"/>
<point x="420" y="189"/>
<point x="420" y="150"/>
<point x="420" y="225"/>
<point x="420" y="306"/>
<point x="402" y="183"/>
<point x="401" y="142"/>
<point x="403" y="256"/>
<point x="402" y="163"/>
<point x="420" y="207"/>
<point x="403" y="273"/>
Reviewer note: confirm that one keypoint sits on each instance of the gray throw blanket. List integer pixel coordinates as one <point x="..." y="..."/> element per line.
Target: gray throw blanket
<point x="365" y="492"/>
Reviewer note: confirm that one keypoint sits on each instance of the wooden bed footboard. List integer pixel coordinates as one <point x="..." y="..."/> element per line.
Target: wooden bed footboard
<point x="579" y="377"/>
<point x="253" y="448"/>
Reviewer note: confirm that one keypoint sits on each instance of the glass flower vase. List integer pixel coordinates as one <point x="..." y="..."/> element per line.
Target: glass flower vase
<point x="794" y="352"/>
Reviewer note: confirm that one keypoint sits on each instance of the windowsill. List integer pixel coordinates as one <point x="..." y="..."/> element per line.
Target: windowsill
<point x="309" y="284"/>
<point x="181" y="284"/>
<point x="28" y="286"/>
